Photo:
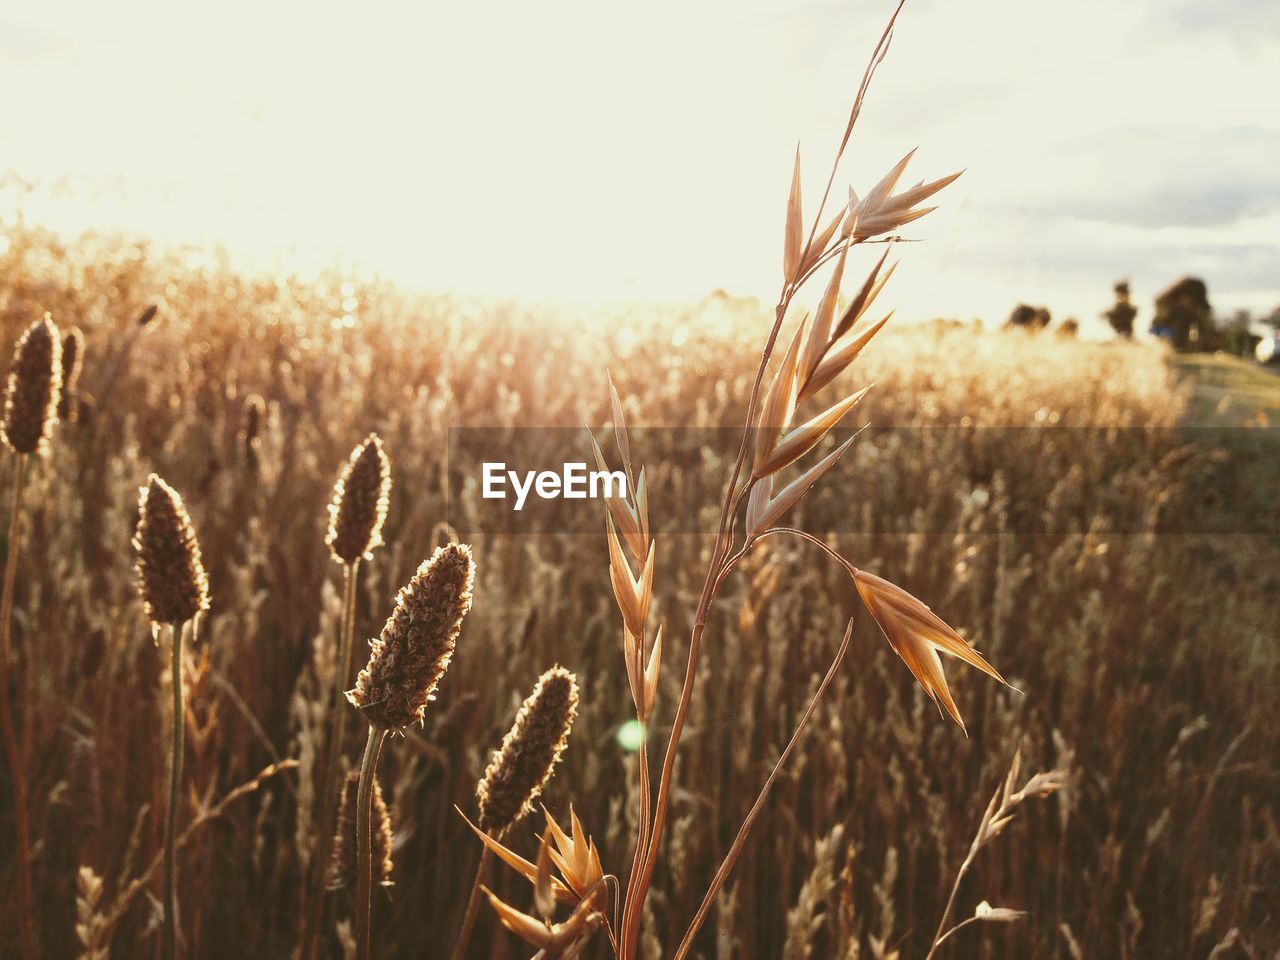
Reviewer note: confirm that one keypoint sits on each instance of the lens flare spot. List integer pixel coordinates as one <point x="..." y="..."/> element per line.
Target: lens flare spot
<point x="631" y="735"/>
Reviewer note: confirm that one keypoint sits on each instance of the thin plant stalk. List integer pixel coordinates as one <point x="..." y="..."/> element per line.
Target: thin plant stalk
<point x="330" y="777"/>
<point x="473" y="906"/>
<point x="638" y="888"/>
<point x="740" y="840"/>
<point x="176" y="750"/>
<point x="364" y="832"/>
<point x="22" y="854"/>
<point x="939" y="936"/>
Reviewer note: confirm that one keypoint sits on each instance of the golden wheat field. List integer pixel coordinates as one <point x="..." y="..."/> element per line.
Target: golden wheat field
<point x="1046" y="497"/>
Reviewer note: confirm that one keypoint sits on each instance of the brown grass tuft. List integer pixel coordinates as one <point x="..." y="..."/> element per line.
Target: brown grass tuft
<point x="359" y="504"/>
<point x="417" y="641"/>
<point x="170" y="573"/>
<point x="31" y="401"/>
<point x="530" y="751"/>
<point x="342" y="865"/>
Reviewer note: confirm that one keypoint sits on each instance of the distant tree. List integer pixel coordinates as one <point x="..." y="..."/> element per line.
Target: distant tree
<point x="1027" y="317"/>
<point x="1069" y="327"/>
<point x="1121" y="314"/>
<point x="1184" y="316"/>
<point x="1238" y="333"/>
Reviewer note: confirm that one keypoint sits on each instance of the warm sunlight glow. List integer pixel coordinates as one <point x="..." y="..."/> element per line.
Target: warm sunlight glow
<point x="582" y="151"/>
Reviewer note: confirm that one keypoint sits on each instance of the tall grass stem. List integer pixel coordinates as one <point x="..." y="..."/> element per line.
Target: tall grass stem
<point x="22" y="853"/>
<point x="364" y="859"/>
<point x="176" y="631"/>
<point x="473" y="906"/>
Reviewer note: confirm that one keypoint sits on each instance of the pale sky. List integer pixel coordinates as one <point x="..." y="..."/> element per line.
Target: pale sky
<point x="590" y="150"/>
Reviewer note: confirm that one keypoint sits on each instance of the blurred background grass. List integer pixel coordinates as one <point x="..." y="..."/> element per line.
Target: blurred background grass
<point x="1148" y="660"/>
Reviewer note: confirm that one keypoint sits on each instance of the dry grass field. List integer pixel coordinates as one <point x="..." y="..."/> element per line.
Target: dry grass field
<point x="1101" y="554"/>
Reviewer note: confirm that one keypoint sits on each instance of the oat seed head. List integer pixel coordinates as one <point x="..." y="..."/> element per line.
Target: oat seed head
<point x="35" y="383"/>
<point x="342" y="863"/>
<point x="413" y="652"/>
<point x="520" y="769"/>
<point x="359" y="504"/>
<point x="171" y="575"/>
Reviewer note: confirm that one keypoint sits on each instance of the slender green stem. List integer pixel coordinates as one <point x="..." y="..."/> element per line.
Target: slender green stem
<point x="176" y="751"/>
<point x="473" y="906"/>
<point x="364" y="833"/>
<point x="329" y="775"/>
<point x="22" y="855"/>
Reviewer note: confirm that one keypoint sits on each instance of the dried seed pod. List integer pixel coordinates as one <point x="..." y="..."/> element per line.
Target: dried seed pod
<point x="411" y="655"/>
<point x="72" y="360"/>
<point x="359" y="504"/>
<point x="31" y="401"/>
<point x="530" y="751"/>
<point x="342" y="864"/>
<point x="171" y="574"/>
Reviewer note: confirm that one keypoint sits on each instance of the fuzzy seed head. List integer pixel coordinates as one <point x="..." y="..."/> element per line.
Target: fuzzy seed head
<point x="35" y="384"/>
<point x="170" y="572"/>
<point x="408" y="659"/>
<point x="342" y="865"/>
<point x="72" y="360"/>
<point x="359" y="504"/>
<point x="530" y="751"/>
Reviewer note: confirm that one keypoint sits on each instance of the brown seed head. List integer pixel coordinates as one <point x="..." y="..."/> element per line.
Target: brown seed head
<point x="31" y="401"/>
<point x="413" y="652"/>
<point x="359" y="504"/>
<point x="342" y="865"/>
<point x="72" y="360"/>
<point x="530" y="751"/>
<point x="171" y="574"/>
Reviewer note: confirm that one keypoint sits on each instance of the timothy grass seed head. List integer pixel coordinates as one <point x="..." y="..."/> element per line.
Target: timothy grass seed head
<point x="530" y="751"/>
<point x="171" y="574"/>
<point x="416" y="644"/>
<point x="359" y="504"/>
<point x="35" y="383"/>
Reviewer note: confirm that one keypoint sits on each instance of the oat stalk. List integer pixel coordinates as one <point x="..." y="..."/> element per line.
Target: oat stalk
<point x="770" y="443"/>
<point x="998" y="815"/>
<point x="740" y="840"/>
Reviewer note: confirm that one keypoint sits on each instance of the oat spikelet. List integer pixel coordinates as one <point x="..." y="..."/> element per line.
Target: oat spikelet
<point x="72" y="361"/>
<point x="530" y="751"/>
<point x="342" y="865"/>
<point x="171" y="574"/>
<point x="413" y="652"/>
<point x="359" y="504"/>
<point x="31" y="400"/>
